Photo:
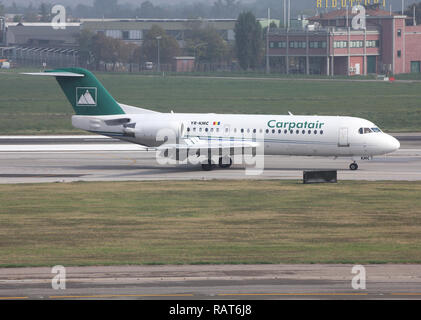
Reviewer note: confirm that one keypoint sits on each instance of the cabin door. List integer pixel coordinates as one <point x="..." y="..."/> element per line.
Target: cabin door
<point x="343" y="137"/>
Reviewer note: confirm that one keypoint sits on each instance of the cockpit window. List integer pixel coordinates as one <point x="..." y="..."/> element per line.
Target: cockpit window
<point x="368" y="130"/>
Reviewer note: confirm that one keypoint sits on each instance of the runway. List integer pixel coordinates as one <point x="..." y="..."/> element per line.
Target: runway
<point x="213" y="282"/>
<point x="94" y="158"/>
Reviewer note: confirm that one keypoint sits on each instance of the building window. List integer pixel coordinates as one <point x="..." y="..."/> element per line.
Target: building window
<point x="297" y="44"/>
<point x="340" y="44"/>
<point x="372" y="43"/>
<point x="356" y="44"/>
<point x="271" y="44"/>
<point x="135" y="34"/>
<point x="399" y="53"/>
<point x="116" y="34"/>
<point x="415" y="66"/>
<point x="282" y="44"/>
<point x="399" y="32"/>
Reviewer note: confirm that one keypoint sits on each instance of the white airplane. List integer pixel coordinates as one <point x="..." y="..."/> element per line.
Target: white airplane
<point x="328" y="136"/>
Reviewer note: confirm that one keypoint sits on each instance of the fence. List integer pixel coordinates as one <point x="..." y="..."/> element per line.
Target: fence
<point x="37" y="57"/>
<point x="67" y="58"/>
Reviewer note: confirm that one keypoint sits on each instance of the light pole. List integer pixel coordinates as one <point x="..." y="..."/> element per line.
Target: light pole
<point x="267" y="44"/>
<point x="159" y="58"/>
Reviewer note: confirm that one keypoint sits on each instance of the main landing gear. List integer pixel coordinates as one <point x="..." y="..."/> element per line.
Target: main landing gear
<point x="353" y="166"/>
<point x="224" y="163"/>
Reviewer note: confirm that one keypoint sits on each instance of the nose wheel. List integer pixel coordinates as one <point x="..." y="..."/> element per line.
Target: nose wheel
<point x="353" y="166"/>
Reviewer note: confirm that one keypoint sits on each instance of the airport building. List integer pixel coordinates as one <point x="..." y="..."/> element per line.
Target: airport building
<point x="329" y="45"/>
<point x="133" y="30"/>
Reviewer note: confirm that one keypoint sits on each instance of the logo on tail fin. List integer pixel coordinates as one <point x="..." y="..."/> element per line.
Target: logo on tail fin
<point x="86" y="96"/>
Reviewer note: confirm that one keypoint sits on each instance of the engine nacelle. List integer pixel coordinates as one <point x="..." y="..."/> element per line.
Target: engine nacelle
<point x="154" y="133"/>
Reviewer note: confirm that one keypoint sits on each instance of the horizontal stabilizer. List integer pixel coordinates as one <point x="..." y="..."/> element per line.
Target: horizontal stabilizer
<point x="56" y="74"/>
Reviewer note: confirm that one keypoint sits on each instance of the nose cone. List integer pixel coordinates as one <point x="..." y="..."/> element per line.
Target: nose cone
<point x="391" y="144"/>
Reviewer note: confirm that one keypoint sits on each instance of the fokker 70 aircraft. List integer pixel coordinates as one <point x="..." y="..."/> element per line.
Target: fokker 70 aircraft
<point x="329" y="136"/>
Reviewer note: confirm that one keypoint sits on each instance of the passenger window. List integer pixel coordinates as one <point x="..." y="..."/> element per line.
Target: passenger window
<point x="315" y="131"/>
<point x="267" y="130"/>
<point x="273" y="130"/>
<point x="285" y="131"/>
<point x="279" y="131"/>
<point x="304" y="132"/>
<point x="309" y="131"/>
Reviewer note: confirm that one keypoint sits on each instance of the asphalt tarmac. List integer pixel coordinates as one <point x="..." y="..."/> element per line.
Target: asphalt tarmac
<point x="92" y="158"/>
<point x="241" y="282"/>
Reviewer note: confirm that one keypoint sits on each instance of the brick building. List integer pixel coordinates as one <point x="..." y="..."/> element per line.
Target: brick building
<point x="329" y="45"/>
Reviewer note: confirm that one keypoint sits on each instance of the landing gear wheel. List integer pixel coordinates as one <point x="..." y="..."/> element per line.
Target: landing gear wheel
<point x="224" y="163"/>
<point x="208" y="166"/>
<point x="353" y="166"/>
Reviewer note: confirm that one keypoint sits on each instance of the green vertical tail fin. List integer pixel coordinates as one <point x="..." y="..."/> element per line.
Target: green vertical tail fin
<point x="85" y="93"/>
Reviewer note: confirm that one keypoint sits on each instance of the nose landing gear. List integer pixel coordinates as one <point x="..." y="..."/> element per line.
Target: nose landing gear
<point x="353" y="166"/>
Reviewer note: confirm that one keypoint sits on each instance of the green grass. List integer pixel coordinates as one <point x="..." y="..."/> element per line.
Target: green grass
<point x="209" y="222"/>
<point x="34" y="105"/>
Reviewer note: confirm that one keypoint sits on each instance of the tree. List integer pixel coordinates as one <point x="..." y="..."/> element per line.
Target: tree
<point x="18" y="18"/>
<point x="168" y="46"/>
<point x="206" y="44"/>
<point x="226" y="8"/>
<point x="105" y="8"/>
<point x="45" y="12"/>
<point x="248" y="41"/>
<point x="30" y="14"/>
<point x="148" y="10"/>
<point x="85" y="41"/>
<point x="105" y="49"/>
